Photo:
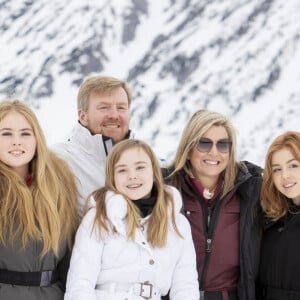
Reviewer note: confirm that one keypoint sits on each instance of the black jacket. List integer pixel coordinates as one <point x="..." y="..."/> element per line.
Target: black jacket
<point x="247" y="186"/>
<point x="280" y="260"/>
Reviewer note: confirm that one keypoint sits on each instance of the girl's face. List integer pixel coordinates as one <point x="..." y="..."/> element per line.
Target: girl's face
<point x="17" y="143"/>
<point x="286" y="174"/>
<point x="133" y="174"/>
<point x="210" y="156"/>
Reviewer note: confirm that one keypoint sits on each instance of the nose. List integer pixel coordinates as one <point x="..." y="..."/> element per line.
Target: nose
<point x="132" y="175"/>
<point x="213" y="149"/>
<point x="285" y="174"/>
<point x="16" y="142"/>
<point x="113" y="112"/>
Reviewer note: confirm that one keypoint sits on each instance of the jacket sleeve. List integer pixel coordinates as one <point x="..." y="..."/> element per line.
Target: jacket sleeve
<point x="85" y="264"/>
<point x="185" y="277"/>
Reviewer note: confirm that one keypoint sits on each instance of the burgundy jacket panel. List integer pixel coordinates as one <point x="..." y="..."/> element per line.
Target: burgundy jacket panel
<point x="223" y="268"/>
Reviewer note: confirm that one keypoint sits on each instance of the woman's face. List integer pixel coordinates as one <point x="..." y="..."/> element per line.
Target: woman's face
<point x="286" y="174"/>
<point x="210" y="157"/>
<point x="17" y="143"/>
<point x="133" y="174"/>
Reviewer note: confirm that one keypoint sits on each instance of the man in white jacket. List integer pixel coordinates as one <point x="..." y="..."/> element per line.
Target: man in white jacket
<point x="103" y="105"/>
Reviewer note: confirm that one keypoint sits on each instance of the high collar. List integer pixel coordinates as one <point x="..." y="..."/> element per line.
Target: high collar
<point x="83" y="137"/>
<point x="88" y="142"/>
<point x="146" y="205"/>
<point x="116" y="207"/>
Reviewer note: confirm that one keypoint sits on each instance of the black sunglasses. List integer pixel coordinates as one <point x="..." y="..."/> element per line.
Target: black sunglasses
<point x="205" y="145"/>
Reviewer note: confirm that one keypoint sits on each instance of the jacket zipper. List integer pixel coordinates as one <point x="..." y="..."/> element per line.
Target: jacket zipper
<point x="209" y="225"/>
<point x="209" y="235"/>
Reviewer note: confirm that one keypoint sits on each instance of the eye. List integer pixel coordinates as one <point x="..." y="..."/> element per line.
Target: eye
<point x="121" y="171"/>
<point x="293" y="166"/>
<point x="140" y="167"/>
<point x="122" y="108"/>
<point x="102" y="107"/>
<point x="276" y="170"/>
<point x="26" y="133"/>
<point x="6" y="133"/>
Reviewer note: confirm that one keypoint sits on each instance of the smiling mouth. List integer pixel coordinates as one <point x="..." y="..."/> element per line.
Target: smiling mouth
<point x="134" y="186"/>
<point x="111" y="126"/>
<point x="16" y="152"/>
<point x="289" y="185"/>
<point x="211" y="162"/>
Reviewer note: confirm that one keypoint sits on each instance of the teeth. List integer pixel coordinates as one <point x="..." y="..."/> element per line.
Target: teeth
<point x="112" y="126"/>
<point x="133" y="185"/>
<point x="211" y="162"/>
<point x="16" y="152"/>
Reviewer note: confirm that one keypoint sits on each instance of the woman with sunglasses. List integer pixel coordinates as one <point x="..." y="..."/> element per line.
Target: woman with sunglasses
<point x="220" y="197"/>
<point x="280" y="200"/>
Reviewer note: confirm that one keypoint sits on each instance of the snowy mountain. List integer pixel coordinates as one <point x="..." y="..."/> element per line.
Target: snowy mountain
<point x="238" y="57"/>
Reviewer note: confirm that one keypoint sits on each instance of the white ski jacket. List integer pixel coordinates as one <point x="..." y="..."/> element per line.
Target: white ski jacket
<point x="86" y="155"/>
<point x="114" y="268"/>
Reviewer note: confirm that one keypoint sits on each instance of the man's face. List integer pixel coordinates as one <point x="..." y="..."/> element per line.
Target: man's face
<point x="107" y="114"/>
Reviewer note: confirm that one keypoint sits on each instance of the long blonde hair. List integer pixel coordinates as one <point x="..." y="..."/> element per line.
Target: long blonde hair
<point x="46" y="208"/>
<point x="158" y="220"/>
<point x="201" y="121"/>
<point x="274" y="203"/>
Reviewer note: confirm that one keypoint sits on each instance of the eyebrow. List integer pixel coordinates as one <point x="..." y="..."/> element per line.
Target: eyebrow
<point x="23" y="129"/>
<point x="109" y="103"/>
<point x="224" y="139"/>
<point x="290" y="160"/>
<point x="136" y="163"/>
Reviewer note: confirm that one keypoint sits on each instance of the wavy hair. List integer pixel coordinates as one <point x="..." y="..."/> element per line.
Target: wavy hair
<point x="201" y="121"/>
<point x="46" y="208"/>
<point x="158" y="220"/>
<point x="275" y="204"/>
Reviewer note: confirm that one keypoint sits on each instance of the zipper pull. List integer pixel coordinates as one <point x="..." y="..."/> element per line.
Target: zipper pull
<point x="208" y="245"/>
<point x="208" y="216"/>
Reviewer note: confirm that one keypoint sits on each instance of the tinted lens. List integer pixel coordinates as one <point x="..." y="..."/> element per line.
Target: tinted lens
<point x="205" y="145"/>
<point x="224" y="146"/>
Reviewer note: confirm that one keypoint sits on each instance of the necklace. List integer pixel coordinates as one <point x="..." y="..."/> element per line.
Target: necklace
<point x="207" y="194"/>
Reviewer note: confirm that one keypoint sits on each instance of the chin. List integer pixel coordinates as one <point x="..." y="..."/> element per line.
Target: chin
<point x="137" y="197"/>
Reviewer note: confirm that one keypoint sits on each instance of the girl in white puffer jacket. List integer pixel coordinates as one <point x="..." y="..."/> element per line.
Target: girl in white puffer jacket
<point x="133" y="243"/>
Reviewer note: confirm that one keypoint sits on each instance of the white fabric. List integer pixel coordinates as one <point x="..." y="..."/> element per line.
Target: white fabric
<point x="145" y="290"/>
<point x="116" y="259"/>
<point x="86" y="156"/>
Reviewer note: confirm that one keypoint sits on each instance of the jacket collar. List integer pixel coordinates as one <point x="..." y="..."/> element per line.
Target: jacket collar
<point x="89" y="143"/>
<point x="116" y="208"/>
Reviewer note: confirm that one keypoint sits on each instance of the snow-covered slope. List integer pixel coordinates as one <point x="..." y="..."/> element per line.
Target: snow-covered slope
<point x="239" y="57"/>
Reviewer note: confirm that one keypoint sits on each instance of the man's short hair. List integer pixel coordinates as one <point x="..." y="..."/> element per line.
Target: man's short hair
<point x="99" y="84"/>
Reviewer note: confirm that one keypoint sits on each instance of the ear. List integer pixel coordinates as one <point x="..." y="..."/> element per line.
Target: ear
<point x="82" y="117"/>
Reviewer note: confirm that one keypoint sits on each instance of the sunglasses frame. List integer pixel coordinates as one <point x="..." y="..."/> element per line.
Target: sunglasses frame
<point x="209" y="144"/>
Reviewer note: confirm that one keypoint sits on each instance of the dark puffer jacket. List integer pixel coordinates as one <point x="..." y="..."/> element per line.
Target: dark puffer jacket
<point x="280" y="260"/>
<point x="247" y="189"/>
